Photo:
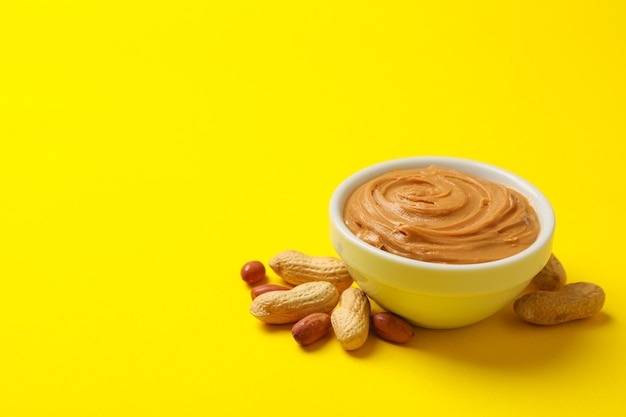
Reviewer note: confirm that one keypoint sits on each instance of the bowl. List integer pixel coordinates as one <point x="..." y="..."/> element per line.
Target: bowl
<point x="440" y="295"/>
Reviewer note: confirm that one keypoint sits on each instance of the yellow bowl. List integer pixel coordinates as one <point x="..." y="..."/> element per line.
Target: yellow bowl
<point x="436" y="295"/>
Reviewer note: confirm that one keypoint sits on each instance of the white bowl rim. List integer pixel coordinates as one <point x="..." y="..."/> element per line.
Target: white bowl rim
<point x="540" y="202"/>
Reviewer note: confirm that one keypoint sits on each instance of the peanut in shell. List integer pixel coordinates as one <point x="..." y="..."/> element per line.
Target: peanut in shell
<point x="574" y="301"/>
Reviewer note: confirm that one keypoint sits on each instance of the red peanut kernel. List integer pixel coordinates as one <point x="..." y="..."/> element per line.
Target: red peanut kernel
<point x="262" y="289"/>
<point x="253" y="272"/>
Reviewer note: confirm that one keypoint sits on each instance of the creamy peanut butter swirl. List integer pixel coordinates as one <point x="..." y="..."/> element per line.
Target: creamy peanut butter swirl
<point x="441" y="215"/>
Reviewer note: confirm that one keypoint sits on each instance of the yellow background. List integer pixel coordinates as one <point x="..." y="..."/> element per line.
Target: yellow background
<point x="149" y="149"/>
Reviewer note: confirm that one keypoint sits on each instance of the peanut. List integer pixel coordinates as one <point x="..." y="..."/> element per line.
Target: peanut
<point x="252" y="272"/>
<point x="311" y="328"/>
<point x="392" y="327"/>
<point x="279" y="307"/>
<point x="297" y="268"/>
<point x="351" y="319"/>
<point x="262" y="289"/>
<point x="551" y="277"/>
<point x="575" y="301"/>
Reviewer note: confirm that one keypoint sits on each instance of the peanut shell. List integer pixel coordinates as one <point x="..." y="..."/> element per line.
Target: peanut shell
<point x="297" y="268"/>
<point x="280" y="307"/>
<point x="351" y="319"/>
<point x="574" y="301"/>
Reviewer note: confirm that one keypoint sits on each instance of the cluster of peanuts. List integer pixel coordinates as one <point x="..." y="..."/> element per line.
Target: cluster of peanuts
<point x="554" y="301"/>
<point x="321" y="297"/>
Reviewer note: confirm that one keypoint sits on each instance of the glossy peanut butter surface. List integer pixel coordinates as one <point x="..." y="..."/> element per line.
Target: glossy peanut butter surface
<point x="441" y="215"/>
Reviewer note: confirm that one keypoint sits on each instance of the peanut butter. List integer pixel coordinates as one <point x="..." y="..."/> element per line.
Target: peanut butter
<point x="441" y="215"/>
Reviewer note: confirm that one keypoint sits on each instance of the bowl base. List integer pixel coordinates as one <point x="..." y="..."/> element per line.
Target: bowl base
<point x="437" y="312"/>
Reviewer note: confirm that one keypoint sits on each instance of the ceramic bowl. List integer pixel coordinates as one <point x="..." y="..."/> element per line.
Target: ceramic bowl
<point x="437" y="295"/>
